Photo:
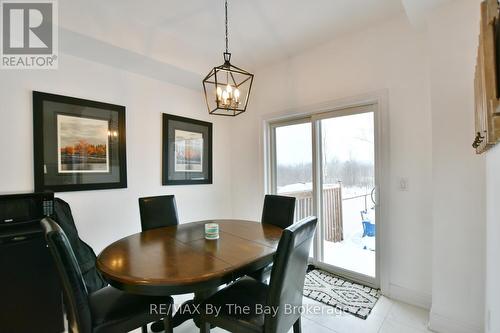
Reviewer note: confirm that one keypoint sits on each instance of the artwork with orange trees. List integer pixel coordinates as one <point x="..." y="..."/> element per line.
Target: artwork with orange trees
<point x="82" y="144"/>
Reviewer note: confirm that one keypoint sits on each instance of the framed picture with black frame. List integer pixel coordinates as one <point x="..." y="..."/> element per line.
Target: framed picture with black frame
<point x="187" y="151"/>
<point x="78" y="144"/>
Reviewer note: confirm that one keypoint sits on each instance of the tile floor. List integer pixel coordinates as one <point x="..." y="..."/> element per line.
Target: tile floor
<point x="387" y="317"/>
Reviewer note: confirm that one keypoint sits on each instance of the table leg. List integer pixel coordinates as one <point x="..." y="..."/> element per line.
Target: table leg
<point x="200" y="297"/>
<point x="188" y="310"/>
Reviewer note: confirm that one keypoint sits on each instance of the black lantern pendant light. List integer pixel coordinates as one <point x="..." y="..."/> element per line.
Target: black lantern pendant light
<point x="227" y="87"/>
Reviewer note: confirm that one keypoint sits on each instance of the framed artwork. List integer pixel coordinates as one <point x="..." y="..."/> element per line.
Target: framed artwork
<point x="487" y="80"/>
<point x="187" y="151"/>
<point x="78" y="144"/>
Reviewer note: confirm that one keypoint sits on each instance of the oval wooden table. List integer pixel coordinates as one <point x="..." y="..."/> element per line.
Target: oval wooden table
<point x="178" y="259"/>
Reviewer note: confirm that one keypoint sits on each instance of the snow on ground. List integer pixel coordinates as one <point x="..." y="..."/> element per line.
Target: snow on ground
<point x="355" y="253"/>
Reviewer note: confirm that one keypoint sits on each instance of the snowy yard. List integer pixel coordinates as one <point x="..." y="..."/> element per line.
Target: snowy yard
<point x="355" y="253"/>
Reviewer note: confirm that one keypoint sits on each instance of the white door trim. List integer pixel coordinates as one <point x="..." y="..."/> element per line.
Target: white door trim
<point x="381" y="99"/>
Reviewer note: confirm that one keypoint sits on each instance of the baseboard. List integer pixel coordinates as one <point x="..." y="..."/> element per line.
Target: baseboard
<point x="444" y="324"/>
<point x="405" y="295"/>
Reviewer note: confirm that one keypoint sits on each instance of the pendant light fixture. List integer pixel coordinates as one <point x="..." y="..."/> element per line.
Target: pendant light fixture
<point x="227" y="87"/>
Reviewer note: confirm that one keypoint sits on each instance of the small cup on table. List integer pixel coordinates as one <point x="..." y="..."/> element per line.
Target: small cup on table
<point x="211" y="231"/>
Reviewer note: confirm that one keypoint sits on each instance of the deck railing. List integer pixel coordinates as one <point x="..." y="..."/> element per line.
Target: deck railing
<point x="332" y="210"/>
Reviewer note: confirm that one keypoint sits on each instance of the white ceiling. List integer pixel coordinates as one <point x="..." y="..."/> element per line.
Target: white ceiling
<point x="189" y="34"/>
<point x="417" y="9"/>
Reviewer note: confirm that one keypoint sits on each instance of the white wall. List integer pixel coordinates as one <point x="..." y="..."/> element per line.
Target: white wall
<point x="107" y="215"/>
<point x="492" y="320"/>
<point x="387" y="56"/>
<point x="436" y="230"/>
<point x="458" y="174"/>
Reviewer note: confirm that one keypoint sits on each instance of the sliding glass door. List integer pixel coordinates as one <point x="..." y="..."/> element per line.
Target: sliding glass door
<point x="328" y="162"/>
<point x="347" y="181"/>
<point x="292" y="173"/>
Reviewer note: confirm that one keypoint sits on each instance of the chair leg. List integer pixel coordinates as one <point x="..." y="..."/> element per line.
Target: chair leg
<point x="297" y="327"/>
<point x="157" y="326"/>
<point x="167" y="321"/>
<point x="144" y="329"/>
<point x="204" y="327"/>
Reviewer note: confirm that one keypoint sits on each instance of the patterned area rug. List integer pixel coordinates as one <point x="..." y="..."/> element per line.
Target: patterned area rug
<point x="347" y="296"/>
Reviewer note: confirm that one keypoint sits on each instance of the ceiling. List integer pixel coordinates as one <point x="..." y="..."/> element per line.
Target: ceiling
<point x="189" y="34"/>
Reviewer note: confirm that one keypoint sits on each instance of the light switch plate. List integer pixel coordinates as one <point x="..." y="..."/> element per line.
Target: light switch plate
<point x="404" y="184"/>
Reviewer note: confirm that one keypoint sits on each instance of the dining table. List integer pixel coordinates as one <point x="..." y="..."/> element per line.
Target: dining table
<point x="178" y="259"/>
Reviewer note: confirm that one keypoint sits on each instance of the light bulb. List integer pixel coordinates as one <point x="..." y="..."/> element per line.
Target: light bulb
<point x="237" y="95"/>
<point x="225" y="95"/>
<point x="219" y="93"/>
<point x="229" y="89"/>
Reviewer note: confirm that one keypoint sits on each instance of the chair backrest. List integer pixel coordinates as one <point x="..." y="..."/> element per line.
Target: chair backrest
<point x="278" y="210"/>
<point x="75" y="291"/>
<point x="84" y="254"/>
<point x="288" y="275"/>
<point x="157" y="212"/>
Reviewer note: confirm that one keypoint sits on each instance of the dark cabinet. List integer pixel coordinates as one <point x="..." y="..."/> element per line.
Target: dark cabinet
<point x="30" y="292"/>
<point x="31" y="298"/>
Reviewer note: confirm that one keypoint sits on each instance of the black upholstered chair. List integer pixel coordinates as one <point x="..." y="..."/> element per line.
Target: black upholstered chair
<point x="157" y="212"/>
<point x="284" y="292"/>
<point x="84" y="254"/>
<point x="278" y="210"/>
<point x="107" y="310"/>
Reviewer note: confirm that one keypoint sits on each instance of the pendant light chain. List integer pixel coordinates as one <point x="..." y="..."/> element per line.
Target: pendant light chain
<point x="227" y="33"/>
<point x="227" y="97"/>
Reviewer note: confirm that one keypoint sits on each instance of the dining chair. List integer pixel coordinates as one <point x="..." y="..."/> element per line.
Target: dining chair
<point x="278" y="210"/>
<point x="157" y="212"/>
<point x="283" y="294"/>
<point x="84" y="254"/>
<point x="107" y="310"/>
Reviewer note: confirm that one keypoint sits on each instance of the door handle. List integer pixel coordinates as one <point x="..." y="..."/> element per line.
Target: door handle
<point x="372" y="197"/>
